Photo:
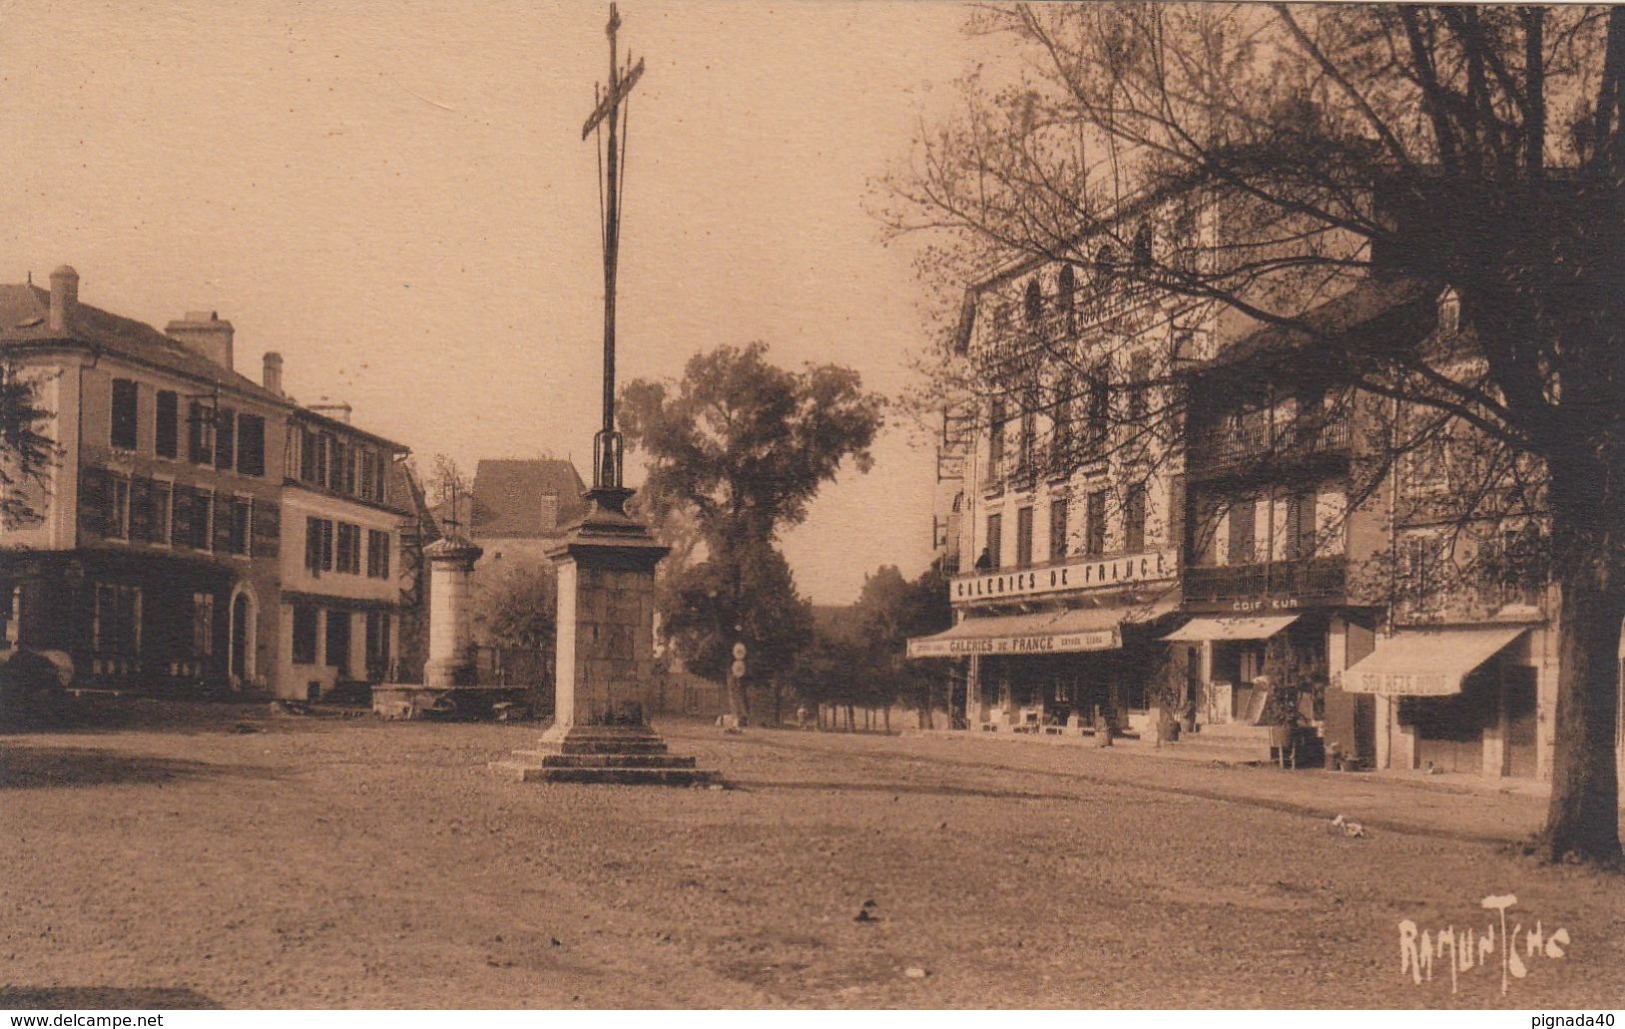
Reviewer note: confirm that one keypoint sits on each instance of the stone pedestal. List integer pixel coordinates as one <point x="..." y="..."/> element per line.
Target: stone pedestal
<point x="451" y="661"/>
<point x="600" y="733"/>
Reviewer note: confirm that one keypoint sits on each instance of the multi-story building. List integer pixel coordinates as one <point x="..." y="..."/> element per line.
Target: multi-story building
<point x="1070" y="519"/>
<point x="156" y="551"/>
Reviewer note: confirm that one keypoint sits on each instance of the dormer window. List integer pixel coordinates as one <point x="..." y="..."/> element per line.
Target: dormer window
<point x="1033" y="303"/>
<point x="1142" y="245"/>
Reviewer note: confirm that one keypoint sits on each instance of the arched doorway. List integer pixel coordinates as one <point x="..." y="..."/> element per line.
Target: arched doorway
<point x="242" y="637"/>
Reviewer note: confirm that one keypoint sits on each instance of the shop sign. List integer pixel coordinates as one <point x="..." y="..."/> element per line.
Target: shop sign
<point x="1057" y="643"/>
<point x="1409" y="684"/>
<point x="1084" y="574"/>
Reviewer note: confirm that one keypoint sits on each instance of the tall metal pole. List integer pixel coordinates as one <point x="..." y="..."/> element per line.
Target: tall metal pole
<point x="612" y="230"/>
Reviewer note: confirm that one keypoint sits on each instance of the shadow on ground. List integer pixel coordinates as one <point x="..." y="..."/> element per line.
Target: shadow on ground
<point x="104" y="998"/>
<point x="24" y="768"/>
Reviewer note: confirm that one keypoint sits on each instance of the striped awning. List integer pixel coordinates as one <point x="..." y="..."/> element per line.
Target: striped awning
<point x="1071" y="630"/>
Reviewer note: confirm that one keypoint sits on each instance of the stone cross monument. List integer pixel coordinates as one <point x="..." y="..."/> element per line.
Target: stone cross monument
<point x="606" y="561"/>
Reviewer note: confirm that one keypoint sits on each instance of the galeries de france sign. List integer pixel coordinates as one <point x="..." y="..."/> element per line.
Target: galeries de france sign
<point x="1078" y="574"/>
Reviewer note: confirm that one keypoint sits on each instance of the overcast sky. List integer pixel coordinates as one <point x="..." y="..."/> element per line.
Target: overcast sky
<point x="396" y="197"/>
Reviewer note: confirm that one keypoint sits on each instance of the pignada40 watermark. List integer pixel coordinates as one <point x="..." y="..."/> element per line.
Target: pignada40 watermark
<point x="1462" y="951"/>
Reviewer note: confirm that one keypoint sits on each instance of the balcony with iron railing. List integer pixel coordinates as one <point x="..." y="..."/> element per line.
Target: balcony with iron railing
<point x="1306" y="581"/>
<point x="1235" y="446"/>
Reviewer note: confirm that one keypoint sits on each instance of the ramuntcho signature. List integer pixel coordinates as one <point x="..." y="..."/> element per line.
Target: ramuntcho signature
<point x="1468" y="949"/>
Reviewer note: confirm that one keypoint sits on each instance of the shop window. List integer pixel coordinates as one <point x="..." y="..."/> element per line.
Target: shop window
<point x="166" y="433"/>
<point x="202" y="625"/>
<point x="116" y="622"/>
<point x="123" y="432"/>
<point x="304" y="634"/>
<point x="337" y="651"/>
<point x="378" y="656"/>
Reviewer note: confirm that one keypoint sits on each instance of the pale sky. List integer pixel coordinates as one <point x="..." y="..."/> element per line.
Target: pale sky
<point x="396" y="197"/>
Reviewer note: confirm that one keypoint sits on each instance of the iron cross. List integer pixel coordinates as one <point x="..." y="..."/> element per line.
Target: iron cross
<point x="611" y="109"/>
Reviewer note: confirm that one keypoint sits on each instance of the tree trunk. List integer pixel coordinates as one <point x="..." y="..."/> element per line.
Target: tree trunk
<point x="888" y="717"/>
<point x="1583" y="819"/>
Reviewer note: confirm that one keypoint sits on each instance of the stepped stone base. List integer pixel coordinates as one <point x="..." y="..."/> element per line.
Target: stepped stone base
<point x="627" y="755"/>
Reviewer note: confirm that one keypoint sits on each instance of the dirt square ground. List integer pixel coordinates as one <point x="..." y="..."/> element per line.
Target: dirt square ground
<point x="222" y="856"/>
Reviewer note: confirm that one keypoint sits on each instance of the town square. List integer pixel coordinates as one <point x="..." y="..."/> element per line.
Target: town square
<point x="701" y="506"/>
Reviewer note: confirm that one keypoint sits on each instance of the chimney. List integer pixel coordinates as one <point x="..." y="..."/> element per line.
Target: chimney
<point x="204" y="333"/>
<point x="64" y="297"/>
<point x="272" y="379"/>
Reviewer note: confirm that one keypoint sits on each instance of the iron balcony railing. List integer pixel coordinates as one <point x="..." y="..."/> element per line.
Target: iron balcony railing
<point x="1228" y="446"/>
<point x="1311" y="580"/>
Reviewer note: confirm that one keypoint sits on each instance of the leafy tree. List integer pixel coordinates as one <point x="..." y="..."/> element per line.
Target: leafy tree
<point x="738" y="448"/>
<point x="742" y="594"/>
<point x="516" y="604"/>
<point x="26" y="453"/>
<point x="1480" y="148"/>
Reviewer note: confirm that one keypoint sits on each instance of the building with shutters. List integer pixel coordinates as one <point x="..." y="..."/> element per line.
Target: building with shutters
<point x="157" y="551"/>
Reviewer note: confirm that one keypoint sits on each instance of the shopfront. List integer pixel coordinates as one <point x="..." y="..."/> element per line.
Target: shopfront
<point x="1456" y="698"/>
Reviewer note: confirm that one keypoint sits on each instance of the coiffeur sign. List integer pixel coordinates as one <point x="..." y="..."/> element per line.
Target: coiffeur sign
<point x="1087" y="573"/>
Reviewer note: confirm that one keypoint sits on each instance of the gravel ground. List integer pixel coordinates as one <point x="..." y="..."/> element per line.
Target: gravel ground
<point x="228" y="857"/>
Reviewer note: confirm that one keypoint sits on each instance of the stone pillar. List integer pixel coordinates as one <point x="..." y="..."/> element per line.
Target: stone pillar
<point x="450" y="663"/>
<point x="605" y="654"/>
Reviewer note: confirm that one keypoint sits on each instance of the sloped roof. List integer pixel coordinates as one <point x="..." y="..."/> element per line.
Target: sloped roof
<point x="1401" y="306"/>
<point x="509" y="495"/>
<point x="24" y="318"/>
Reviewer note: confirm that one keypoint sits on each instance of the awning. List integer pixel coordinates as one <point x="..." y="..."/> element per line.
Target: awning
<point x="1260" y="627"/>
<point x="1428" y="662"/>
<point x="1071" y="630"/>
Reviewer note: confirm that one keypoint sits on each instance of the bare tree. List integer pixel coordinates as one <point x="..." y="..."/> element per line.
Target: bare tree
<point x="1290" y="153"/>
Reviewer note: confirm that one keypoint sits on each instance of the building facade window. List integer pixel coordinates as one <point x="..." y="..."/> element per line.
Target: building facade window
<point x="1243" y="523"/>
<point x="125" y="419"/>
<point x="166" y="428"/>
<point x="117" y="516"/>
<point x="377" y="554"/>
<point x="225" y="451"/>
<point x="1024" y="537"/>
<point x="1095" y="540"/>
<point x="995" y="541"/>
<point x="995" y="442"/>
<point x="1027" y="438"/>
<point x="1062" y="425"/>
<point x="1134" y="519"/>
<point x="199" y="433"/>
<point x="1301" y="540"/>
<point x="348" y="559"/>
<point x="1098" y="430"/>
<point x="1057" y="529"/>
<point x="251" y="444"/>
<point x="304" y="634"/>
<point x="318" y="545"/>
<point x="240" y="523"/>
